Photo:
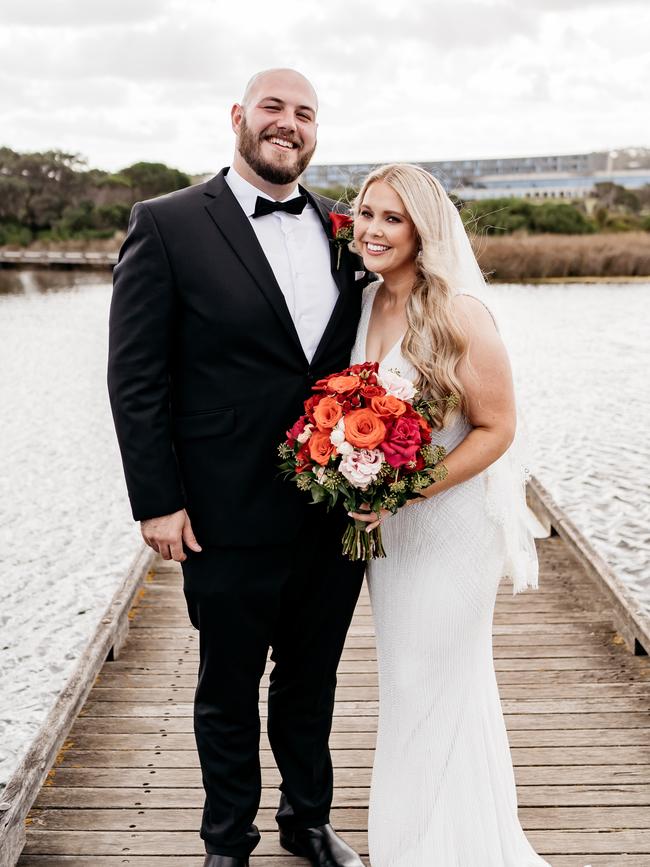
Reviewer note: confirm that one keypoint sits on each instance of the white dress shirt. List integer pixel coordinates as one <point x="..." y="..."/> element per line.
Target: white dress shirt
<point x="297" y="249"/>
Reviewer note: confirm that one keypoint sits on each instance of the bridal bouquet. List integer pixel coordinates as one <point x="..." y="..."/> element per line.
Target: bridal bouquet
<point x="365" y="439"/>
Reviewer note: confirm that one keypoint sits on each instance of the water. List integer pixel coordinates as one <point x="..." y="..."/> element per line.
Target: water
<point x="580" y="354"/>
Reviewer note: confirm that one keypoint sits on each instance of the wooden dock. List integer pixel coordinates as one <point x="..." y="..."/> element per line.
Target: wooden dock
<point x="57" y="259"/>
<point x="125" y="788"/>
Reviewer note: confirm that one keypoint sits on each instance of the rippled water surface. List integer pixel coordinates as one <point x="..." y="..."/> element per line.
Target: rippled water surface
<point x="581" y="355"/>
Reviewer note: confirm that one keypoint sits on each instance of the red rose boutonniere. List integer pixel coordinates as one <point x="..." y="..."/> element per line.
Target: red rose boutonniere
<point x="342" y="226"/>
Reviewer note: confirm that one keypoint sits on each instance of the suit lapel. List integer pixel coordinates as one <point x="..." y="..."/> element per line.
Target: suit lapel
<point x="226" y="213"/>
<point x="342" y="274"/>
<point x="323" y="212"/>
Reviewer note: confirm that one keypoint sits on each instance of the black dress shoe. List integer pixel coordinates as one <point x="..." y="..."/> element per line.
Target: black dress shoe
<point x="224" y="861"/>
<point x="320" y="846"/>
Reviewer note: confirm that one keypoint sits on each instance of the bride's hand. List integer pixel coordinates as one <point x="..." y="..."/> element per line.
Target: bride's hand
<point x="373" y="519"/>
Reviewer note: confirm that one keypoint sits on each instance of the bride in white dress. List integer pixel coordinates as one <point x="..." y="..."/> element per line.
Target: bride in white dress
<point x="443" y="791"/>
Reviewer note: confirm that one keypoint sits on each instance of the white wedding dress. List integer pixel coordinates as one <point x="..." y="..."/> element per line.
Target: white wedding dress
<point x="443" y="790"/>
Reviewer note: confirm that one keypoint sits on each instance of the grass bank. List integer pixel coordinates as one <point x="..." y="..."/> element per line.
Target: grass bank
<point x="517" y="258"/>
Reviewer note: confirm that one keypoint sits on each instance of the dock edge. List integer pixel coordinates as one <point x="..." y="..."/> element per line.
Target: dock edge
<point x="26" y="781"/>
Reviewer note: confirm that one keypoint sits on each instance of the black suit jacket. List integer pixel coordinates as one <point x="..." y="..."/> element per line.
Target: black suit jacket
<point x="206" y="371"/>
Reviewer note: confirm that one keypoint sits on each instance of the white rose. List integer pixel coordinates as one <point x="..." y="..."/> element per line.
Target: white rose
<point x="361" y="467"/>
<point x="305" y="435"/>
<point x="396" y="385"/>
<point x="338" y="440"/>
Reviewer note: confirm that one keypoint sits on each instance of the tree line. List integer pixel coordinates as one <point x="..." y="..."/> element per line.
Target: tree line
<point x="610" y="208"/>
<point x="54" y="196"/>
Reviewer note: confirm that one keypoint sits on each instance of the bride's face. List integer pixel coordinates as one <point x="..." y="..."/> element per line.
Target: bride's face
<point x="384" y="233"/>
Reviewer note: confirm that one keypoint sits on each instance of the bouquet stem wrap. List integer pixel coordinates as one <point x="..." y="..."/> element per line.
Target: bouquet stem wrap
<point x="358" y="544"/>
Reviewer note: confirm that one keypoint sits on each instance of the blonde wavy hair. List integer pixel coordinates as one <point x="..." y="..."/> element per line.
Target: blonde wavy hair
<point x="434" y="342"/>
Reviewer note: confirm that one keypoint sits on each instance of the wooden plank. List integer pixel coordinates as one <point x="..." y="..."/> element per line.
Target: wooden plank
<point x="526" y="775"/>
<point x="180" y="819"/>
<point x="515" y="722"/>
<point x="576" y="818"/>
<point x="355" y="758"/>
<point x="146" y="818"/>
<point x="168" y="710"/>
<point x="605" y="841"/>
<point x="603" y="660"/>
<point x="344" y="693"/>
<point x="158" y="843"/>
<point x="567" y="795"/>
<point x="174" y="741"/>
<point x="166" y="681"/>
<point x="162" y="799"/>
<point x="90" y="842"/>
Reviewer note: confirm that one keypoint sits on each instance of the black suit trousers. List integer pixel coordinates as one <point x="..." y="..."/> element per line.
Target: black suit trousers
<point x="298" y="600"/>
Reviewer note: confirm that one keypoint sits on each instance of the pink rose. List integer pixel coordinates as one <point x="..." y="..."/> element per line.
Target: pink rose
<point x="361" y="467"/>
<point x="396" y="385"/>
<point x="296" y="430"/>
<point x="403" y="439"/>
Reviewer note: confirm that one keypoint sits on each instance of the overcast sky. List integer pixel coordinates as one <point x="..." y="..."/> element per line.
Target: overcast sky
<point x="130" y="80"/>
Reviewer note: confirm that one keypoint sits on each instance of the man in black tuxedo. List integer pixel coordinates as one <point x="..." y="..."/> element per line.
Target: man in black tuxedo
<point x="229" y="303"/>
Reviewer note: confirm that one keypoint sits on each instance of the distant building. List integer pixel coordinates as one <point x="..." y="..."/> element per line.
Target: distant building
<point x="562" y="176"/>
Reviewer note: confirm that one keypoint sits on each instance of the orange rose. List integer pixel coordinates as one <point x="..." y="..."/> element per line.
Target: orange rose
<point x="327" y="413"/>
<point x="344" y="384"/>
<point x="388" y="406"/>
<point x="364" y="429"/>
<point x="320" y="447"/>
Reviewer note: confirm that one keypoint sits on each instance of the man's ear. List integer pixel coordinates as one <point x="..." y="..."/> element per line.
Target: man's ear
<point x="236" y="114"/>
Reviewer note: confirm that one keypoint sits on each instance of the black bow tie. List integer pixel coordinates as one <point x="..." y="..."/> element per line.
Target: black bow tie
<point x="266" y="206"/>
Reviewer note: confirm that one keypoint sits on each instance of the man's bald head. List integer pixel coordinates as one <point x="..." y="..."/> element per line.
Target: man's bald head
<point x="269" y="78"/>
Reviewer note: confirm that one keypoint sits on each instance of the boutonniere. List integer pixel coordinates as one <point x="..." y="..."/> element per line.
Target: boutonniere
<point x="342" y="234"/>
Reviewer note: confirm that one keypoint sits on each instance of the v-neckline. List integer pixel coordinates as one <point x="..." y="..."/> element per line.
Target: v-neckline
<point x="397" y="343"/>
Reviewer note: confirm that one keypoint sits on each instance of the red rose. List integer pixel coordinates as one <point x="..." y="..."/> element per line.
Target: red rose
<point x="327" y="413"/>
<point x="369" y="366"/>
<point x="370" y="391"/>
<point x="344" y="385"/>
<point x="296" y="430"/>
<point x="320" y="447"/>
<point x="340" y="221"/>
<point x="310" y="405"/>
<point x="387" y="406"/>
<point x="364" y="429"/>
<point x="403" y="439"/>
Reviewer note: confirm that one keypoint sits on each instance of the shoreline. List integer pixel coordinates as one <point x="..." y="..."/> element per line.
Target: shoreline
<point x="595" y="279"/>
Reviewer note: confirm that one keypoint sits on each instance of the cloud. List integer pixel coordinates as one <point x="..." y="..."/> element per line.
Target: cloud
<point x="72" y="13"/>
<point x="426" y="80"/>
<point x="542" y="6"/>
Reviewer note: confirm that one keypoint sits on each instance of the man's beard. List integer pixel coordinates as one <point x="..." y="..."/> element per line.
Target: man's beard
<point x="250" y="148"/>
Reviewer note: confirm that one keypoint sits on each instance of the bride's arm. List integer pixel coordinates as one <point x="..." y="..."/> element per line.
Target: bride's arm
<point x="486" y="379"/>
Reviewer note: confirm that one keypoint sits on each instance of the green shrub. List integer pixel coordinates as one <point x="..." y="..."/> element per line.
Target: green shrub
<point x="560" y="218"/>
<point x="13" y="233"/>
<point x="497" y="216"/>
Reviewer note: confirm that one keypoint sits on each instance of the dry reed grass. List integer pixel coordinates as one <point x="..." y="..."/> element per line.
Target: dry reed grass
<point x="515" y="258"/>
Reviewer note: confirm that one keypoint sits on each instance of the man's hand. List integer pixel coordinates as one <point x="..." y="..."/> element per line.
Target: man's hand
<point x="167" y="534"/>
